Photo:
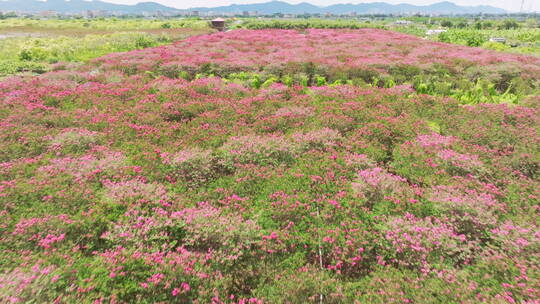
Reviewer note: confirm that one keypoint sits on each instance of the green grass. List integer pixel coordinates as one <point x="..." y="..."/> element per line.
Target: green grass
<point x="31" y="45"/>
<point x="115" y="24"/>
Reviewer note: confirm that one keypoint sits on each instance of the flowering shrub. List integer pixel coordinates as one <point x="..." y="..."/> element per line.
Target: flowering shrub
<point x="86" y="166"/>
<point x="73" y="140"/>
<point x="434" y="140"/>
<point x="301" y="112"/>
<point x="259" y="150"/>
<point x="43" y="232"/>
<point x="305" y="285"/>
<point x="422" y="243"/>
<point x="297" y="172"/>
<point x="359" y="161"/>
<point x="518" y="240"/>
<point x="472" y="213"/>
<point x="207" y="228"/>
<point x="196" y="167"/>
<point x="284" y="119"/>
<point x="135" y="192"/>
<point x="25" y="284"/>
<point x="334" y="48"/>
<point x="375" y="184"/>
<point x="459" y="163"/>
<point x="319" y="139"/>
<point x="433" y="153"/>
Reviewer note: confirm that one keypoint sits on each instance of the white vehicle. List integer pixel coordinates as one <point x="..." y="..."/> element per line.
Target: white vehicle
<point x="435" y="32"/>
<point x="497" y="39"/>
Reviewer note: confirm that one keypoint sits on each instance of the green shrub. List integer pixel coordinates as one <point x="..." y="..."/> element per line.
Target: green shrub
<point x="34" y="53"/>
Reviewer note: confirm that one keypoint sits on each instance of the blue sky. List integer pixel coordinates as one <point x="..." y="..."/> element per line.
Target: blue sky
<point x="512" y="5"/>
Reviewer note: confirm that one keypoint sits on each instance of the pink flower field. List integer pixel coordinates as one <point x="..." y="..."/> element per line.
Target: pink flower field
<point x="248" y="49"/>
<point x="273" y="166"/>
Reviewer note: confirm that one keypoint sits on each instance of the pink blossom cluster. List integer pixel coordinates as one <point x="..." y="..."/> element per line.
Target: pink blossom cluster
<point x="325" y="138"/>
<point x="472" y="212"/>
<point x="135" y="192"/>
<point x="420" y="242"/>
<point x="435" y="140"/>
<point x="259" y="149"/>
<point x="460" y="160"/>
<point x="334" y="48"/>
<point x="294" y="112"/>
<point x="376" y="183"/>
<point x="76" y="138"/>
<point x="86" y="166"/>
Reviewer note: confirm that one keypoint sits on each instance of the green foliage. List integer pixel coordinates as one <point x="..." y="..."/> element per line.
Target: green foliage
<point x="320" y="80"/>
<point x="300" y="24"/>
<point x="465" y="37"/>
<point x="116" y="24"/>
<point x="42" y="42"/>
<point x="524" y="36"/>
<point x="447" y="23"/>
<point x="76" y="49"/>
<point x="509" y="25"/>
<point x="35" y="53"/>
<point x="12" y="67"/>
<point x="256" y="81"/>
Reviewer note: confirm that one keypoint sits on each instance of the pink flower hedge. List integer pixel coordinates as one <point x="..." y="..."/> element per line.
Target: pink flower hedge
<point x="121" y="185"/>
<point x="342" y="48"/>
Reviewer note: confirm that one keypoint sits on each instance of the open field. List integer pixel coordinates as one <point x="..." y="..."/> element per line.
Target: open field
<point x="31" y="46"/>
<point x="522" y="37"/>
<point x="274" y="166"/>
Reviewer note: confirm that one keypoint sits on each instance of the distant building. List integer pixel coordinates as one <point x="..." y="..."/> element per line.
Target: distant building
<point x="403" y="22"/>
<point x="88" y="14"/>
<point x="218" y="23"/>
<point x="48" y="14"/>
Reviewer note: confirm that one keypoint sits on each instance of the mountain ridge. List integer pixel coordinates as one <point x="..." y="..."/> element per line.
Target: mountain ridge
<point x="267" y="8"/>
<point x="444" y="7"/>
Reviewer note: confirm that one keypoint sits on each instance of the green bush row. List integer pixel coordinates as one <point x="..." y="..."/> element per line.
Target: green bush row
<point x="474" y="85"/>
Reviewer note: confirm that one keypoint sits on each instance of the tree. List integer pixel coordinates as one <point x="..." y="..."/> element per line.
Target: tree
<point x="487" y="25"/>
<point x="462" y="24"/>
<point x="7" y="15"/>
<point x="447" y="23"/>
<point x="509" y="24"/>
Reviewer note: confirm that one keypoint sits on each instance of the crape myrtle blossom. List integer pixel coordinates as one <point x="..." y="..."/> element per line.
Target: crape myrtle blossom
<point x="335" y="48"/>
<point x="125" y="180"/>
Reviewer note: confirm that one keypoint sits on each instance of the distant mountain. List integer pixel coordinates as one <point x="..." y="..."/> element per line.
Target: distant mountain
<point x="265" y="8"/>
<point x="362" y="8"/>
<point x="77" y="6"/>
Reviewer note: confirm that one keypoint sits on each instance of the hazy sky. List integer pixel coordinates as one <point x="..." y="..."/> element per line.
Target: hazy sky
<point x="512" y="5"/>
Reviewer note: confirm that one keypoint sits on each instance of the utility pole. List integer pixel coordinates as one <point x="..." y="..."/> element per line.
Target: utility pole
<point x="522" y="3"/>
